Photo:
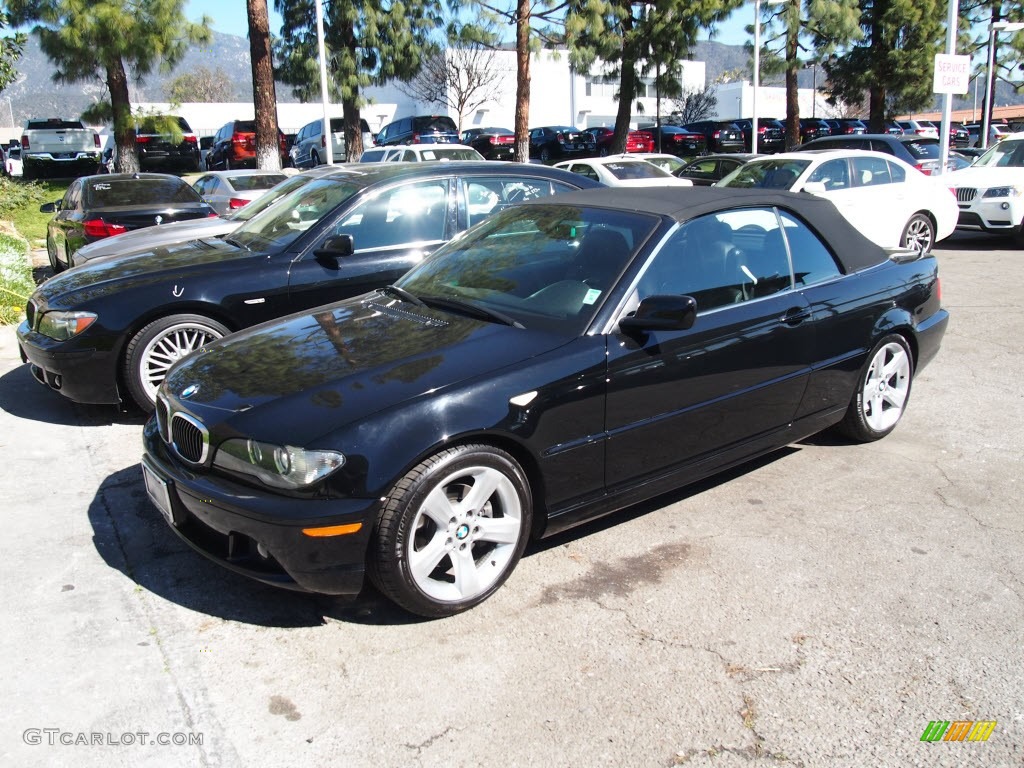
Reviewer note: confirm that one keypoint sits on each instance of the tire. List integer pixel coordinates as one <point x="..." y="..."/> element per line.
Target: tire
<point x="603" y="152"/>
<point x="154" y="349"/>
<point x="545" y="155"/>
<point x="51" y="252"/>
<point x="28" y="171"/>
<point x="919" y="234"/>
<point x="227" y="163"/>
<point x="432" y="553"/>
<point x="883" y="391"/>
<point x="314" y="159"/>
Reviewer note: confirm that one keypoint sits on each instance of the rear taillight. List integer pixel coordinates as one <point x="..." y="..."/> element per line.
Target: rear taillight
<point x="101" y="228"/>
<point x="142" y="139"/>
<point x="323" y="141"/>
<point x="415" y="139"/>
<point x="96" y="140"/>
<point x="716" y="134"/>
<point x="938" y="288"/>
<point x="925" y="169"/>
<point x="191" y="140"/>
<point x="560" y="138"/>
<point x="237" y="202"/>
<point x="24" y="142"/>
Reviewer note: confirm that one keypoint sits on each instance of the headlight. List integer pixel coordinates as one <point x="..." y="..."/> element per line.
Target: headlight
<point x="63" y="325"/>
<point x="1013" y="191"/>
<point x="279" y="466"/>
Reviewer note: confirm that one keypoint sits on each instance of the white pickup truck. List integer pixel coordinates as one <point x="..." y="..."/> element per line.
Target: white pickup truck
<point x="56" y="147"/>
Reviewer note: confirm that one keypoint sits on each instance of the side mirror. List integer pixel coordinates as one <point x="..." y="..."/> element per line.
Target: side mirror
<point x="814" y="187"/>
<point x="336" y="247"/>
<point x="661" y="313"/>
<point x="49" y="207"/>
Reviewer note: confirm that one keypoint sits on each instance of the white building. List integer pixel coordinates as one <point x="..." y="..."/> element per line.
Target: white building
<point x="736" y="100"/>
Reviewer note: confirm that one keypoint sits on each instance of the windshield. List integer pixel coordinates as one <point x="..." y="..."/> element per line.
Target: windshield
<point x="768" y="174"/>
<point x="627" y="169"/>
<point x="923" y="150"/>
<point x="1008" y="153"/>
<point x="545" y="265"/>
<point x="280" y="225"/>
<point x="263" y="202"/>
<point x="250" y="182"/>
<point x="123" y="192"/>
<point x="442" y="153"/>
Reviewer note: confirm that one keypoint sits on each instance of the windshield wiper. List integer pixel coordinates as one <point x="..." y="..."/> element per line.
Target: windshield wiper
<point x="236" y="243"/>
<point x="460" y="305"/>
<point x="403" y="294"/>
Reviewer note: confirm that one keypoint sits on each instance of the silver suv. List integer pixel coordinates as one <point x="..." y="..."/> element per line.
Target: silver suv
<point x="310" y="146"/>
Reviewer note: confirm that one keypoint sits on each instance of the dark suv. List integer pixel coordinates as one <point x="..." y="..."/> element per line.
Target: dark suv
<point x="234" y="146"/>
<point x="845" y="126"/>
<point x="719" y="135"/>
<point x="812" y="128"/>
<point x="158" y="148"/>
<point x="920" y="151"/>
<point x="771" y="136"/>
<point x="421" y="129"/>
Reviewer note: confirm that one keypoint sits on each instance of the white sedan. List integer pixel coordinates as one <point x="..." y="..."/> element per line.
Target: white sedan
<point x="890" y="202"/>
<point x="623" y="172"/>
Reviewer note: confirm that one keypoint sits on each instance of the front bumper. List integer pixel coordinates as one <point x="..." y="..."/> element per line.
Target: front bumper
<point x="1001" y="215"/>
<point x="83" y="375"/>
<point x="258" y="533"/>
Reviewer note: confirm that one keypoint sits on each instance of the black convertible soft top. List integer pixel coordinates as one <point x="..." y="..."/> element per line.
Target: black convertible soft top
<point x="854" y="251"/>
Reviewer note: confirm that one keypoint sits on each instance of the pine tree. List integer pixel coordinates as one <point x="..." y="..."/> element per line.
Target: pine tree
<point x="368" y="42"/>
<point x="894" y="61"/>
<point x="10" y="51"/>
<point x="636" y="40"/>
<point x="796" y="31"/>
<point x="109" y="40"/>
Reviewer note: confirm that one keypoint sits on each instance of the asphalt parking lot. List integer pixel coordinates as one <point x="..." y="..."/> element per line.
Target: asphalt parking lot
<point x="817" y="608"/>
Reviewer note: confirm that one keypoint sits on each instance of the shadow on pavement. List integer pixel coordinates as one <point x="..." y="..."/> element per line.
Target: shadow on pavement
<point x="24" y="397"/>
<point x="976" y="241"/>
<point x="132" y="537"/>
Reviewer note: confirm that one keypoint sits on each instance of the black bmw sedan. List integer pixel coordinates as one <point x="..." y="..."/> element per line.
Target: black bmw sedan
<point x="108" y="331"/>
<point x="565" y="359"/>
<point x="98" y="207"/>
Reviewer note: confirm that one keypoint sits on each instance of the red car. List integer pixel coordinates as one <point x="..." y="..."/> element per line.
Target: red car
<point x="636" y="141"/>
<point x="234" y="146"/>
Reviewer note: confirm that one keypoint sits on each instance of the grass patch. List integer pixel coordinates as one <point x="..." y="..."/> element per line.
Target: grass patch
<point x="16" y="283"/>
<point x="20" y="201"/>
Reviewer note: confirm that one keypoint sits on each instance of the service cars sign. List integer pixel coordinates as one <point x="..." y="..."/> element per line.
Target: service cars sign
<point x="952" y="73"/>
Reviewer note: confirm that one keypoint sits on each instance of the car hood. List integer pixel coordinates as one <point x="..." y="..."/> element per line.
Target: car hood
<point x="986" y="176"/>
<point x="152" y="265"/>
<point x="308" y="374"/>
<point x="150" y="237"/>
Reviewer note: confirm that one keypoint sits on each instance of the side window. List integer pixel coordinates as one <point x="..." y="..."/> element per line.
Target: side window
<point x="584" y="170"/>
<point x="870" y="171"/>
<point x="812" y="261"/>
<point x="412" y="213"/>
<point x="487" y="195"/>
<point x="200" y="185"/>
<point x="721" y="259"/>
<point x="898" y="173"/>
<point x="702" y="167"/>
<point x="407" y="157"/>
<point x="70" y="197"/>
<point x="881" y="146"/>
<point x="833" y="174"/>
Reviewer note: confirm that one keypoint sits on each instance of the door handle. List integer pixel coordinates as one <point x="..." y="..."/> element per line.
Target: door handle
<point x="796" y="315"/>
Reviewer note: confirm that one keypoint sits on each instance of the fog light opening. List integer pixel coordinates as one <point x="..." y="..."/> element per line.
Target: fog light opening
<point x="262" y="551"/>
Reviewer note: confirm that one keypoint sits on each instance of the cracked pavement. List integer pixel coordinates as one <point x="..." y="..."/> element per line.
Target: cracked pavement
<point x="815" y="608"/>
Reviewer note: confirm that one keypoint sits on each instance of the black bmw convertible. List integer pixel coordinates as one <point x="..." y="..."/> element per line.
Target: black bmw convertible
<point x="563" y="360"/>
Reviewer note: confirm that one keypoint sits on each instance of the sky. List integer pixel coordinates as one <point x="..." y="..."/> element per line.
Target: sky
<point x="229" y="17"/>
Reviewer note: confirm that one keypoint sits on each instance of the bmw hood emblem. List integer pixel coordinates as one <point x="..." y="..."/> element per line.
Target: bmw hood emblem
<point x="188" y="391"/>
